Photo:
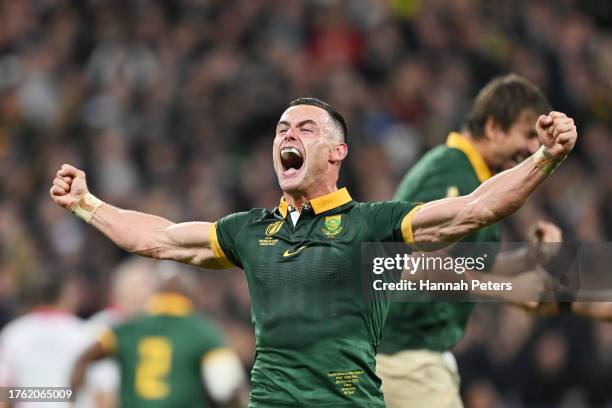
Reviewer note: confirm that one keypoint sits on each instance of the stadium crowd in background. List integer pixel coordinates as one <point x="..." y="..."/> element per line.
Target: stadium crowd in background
<point x="152" y="97"/>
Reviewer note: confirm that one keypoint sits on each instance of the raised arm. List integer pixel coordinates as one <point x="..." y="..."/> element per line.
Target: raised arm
<point x="442" y="222"/>
<point x="136" y="232"/>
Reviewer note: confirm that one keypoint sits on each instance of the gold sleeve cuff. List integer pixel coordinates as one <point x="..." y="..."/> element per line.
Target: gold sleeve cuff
<point x="216" y="248"/>
<point x="407" y="233"/>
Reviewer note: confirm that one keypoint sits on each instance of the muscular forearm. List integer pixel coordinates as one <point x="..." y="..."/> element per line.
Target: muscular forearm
<point x="132" y="231"/>
<point x="156" y="237"/>
<point x="505" y="193"/>
<point x="136" y="232"/>
<point x="442" y="222"/>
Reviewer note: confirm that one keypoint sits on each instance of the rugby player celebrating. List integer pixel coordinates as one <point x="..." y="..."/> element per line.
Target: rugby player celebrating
<point x="316" y="337"/>
<point x="414" y="359"/>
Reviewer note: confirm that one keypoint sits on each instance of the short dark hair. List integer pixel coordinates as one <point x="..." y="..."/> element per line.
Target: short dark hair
<point x="503" y="99"/>
<point x="335" y="115"/>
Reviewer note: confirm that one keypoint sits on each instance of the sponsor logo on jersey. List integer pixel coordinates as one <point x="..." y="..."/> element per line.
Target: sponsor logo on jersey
<point x="289" y="252"/>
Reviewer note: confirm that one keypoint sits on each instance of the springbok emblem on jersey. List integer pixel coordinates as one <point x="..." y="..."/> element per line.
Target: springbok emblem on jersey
<point x="333" y="226"/>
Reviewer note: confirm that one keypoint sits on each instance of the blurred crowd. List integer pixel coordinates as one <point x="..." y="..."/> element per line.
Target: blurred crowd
<point x="170" y="107"/>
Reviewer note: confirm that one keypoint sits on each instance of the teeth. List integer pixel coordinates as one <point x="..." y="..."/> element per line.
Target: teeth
<point x="293" y="150"/>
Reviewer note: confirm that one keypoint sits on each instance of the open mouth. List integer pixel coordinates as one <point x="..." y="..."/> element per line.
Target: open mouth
<point x="292" y="159"/>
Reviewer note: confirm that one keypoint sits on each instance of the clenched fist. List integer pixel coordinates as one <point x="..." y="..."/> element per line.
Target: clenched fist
<point x="557" y="133"/>
<point x="69" y="186"/>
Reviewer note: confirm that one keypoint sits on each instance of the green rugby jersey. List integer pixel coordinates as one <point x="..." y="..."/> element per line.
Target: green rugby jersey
<point x="450" y="170"/>
<point x="316" y="335"/>
<point x="160" y="354"/>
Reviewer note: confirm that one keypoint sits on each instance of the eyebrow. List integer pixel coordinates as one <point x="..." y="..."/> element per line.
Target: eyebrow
<point x="302" y="123"/>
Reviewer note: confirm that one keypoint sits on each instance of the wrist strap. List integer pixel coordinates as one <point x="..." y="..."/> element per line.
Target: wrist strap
<point x="544" y="161"/>
<point x="86" y="206"/>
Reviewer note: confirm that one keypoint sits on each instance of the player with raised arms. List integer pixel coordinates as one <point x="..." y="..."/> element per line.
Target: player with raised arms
<point x="316" y="337"/>
<point x="414" y="360"/>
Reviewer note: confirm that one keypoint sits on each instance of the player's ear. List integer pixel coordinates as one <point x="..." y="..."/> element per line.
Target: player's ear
<point x="338" y="152"/>
<point x="492" y="130"/>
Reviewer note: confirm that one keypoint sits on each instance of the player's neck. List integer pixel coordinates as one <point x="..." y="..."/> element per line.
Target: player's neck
<point x="299" y="198"/>
<point x="482" y="146"/>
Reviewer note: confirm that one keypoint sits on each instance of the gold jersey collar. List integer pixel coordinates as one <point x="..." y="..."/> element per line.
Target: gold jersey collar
<point x="458" y="141"/>
<point x="321" y="204"/>
<point x="169" y="304"/>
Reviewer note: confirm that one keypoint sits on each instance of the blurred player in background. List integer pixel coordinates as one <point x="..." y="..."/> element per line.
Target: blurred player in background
<point x="40" y="348"/>
<point x="132" y="284"/>
<point x="318" y="347"/>
<point x="166" y="355"/>
<point x="415" y="362"/>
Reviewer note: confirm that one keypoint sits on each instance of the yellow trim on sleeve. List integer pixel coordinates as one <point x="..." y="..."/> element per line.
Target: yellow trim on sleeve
<point x="458" y="141"/>
<point x="407" y="233"/>
<point x="108" y="341"/>
<point x="216" y="353"/>
<point x="216" y="247"/>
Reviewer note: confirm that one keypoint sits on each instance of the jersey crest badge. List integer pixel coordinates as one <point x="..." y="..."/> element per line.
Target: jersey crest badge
<point x="333" y="226"/>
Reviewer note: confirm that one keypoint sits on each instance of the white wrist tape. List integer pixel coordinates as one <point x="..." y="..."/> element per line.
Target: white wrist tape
<point x="544" y="161"/>
<point x="86" y="206"/>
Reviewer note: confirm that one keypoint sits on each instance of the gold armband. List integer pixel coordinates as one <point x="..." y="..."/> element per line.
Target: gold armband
<point x="86" y="207"/>
<point x="544" y="161"/>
